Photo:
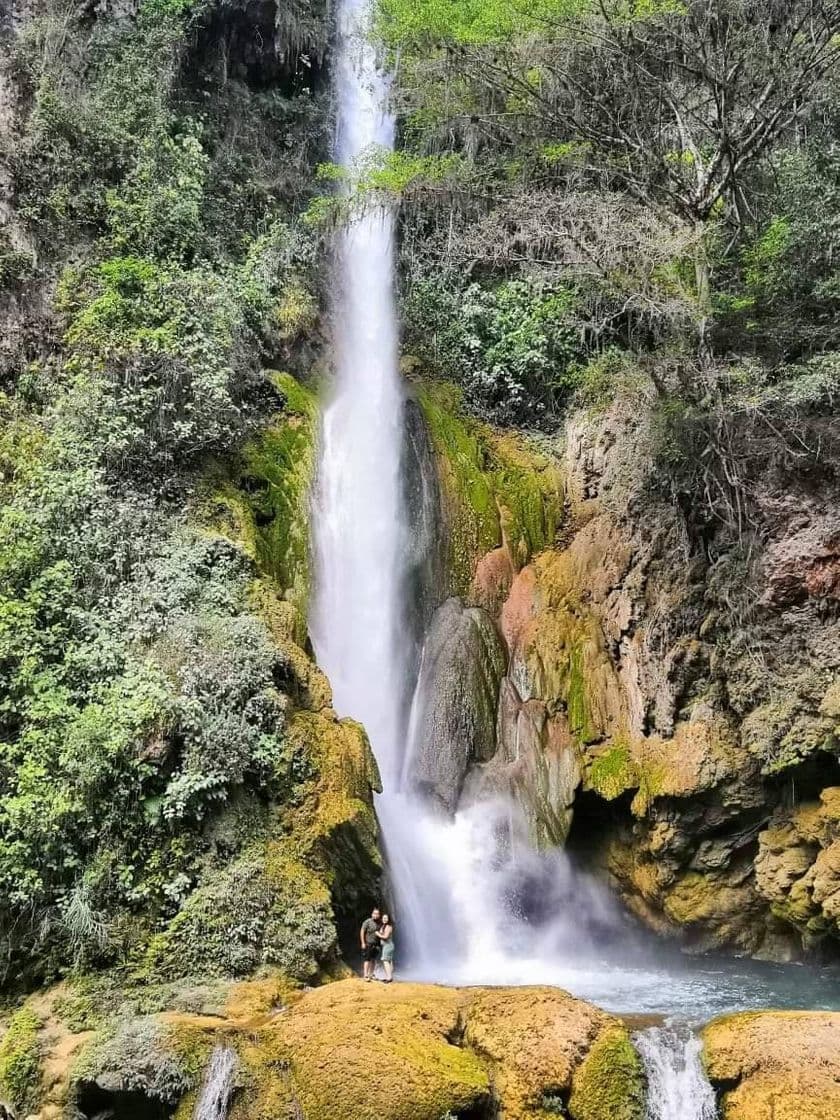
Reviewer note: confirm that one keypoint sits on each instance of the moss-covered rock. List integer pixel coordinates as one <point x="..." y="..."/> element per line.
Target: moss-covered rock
<point x="609" y="1083"/>
<point x="776" y="1065"/>
<point x="144" y="1056"/>
<point x="20" y="1060"/>
<point x="275" y="904"/>
<point x="499" y="491"/>
<point x="366" y="1051"/>
<point x="415" y="1052"/>
<point x="265" y="504"/>
<point x="797" y="867"/>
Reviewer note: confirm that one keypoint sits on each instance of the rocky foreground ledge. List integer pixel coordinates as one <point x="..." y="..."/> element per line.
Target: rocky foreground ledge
<point x="776" y="1065"/>
<point x="356" y="1051"/>
<point x="352" y="1051"/>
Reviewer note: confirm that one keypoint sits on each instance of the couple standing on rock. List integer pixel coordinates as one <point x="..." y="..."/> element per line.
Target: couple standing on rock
<point x="377" y="938"/>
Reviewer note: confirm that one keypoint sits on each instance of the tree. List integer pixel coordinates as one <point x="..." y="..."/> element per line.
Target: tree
<point x="671" y="104"/>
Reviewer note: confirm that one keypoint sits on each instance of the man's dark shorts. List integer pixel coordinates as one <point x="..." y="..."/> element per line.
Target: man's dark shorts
<point x="370" y="953"/>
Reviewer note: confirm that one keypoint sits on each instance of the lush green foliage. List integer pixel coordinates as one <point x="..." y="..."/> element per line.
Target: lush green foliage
<point x="514" y="347"/>
<point x="585" y="154"/>
<point x="142" y="702"/>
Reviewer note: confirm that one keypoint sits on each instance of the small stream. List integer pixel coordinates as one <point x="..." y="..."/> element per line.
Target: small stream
<point x="217" y="1087"/>
<point x="678" y="1088"/>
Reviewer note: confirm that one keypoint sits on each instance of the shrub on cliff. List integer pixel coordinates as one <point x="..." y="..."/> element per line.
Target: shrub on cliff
<point x="514" y="347"/>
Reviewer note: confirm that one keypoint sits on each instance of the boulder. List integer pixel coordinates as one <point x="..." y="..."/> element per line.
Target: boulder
<point x="536" y="766"/>
<point x="454" y="718"/>
<point x="776" y="1065"/>
<point x="419" y="1052"/>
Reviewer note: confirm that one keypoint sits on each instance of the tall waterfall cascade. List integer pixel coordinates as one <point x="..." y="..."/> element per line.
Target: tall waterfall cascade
<point x="361" y="547"/>
<point x="359" y="539"/>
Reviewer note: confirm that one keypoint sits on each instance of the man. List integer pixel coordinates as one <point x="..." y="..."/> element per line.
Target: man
<point x="370" y="943"/>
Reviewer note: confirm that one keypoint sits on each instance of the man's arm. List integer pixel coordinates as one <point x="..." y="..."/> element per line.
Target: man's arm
<point x="362" y="935"/>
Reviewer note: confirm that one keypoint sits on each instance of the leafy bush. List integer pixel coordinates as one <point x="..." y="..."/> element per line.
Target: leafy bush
<point x="140" y="1056"/>
<point x="514" y="347"/>
<point x="142" y="702"/>
<point x="158" y="358"/>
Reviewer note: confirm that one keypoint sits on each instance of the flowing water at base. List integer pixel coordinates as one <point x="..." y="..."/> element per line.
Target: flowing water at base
<point x="217" y="1087"/>
<point x="678" y="1088"/>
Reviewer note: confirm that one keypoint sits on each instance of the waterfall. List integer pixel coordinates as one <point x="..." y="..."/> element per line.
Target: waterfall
<point x="678" y="1088"/>
<point x="457" y="915"/>
<point x="216" y="1089"/>
<point x="359" y="542"/>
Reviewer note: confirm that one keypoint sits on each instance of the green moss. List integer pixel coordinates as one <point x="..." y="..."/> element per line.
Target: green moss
<point x="528" y="494"/>
<point x="81" y="1008"/>
<point x="497" y="489"/>
<point x="475" y="527"/>
<point x="608" y="1085"/>
<point x="576" y="699"/>
<point x="693" y="898"/>
<point x="20" y="1061"/>
<point x="277" y="472"/>
<point x="612" y="772"/>
<point x="266" y="505"/>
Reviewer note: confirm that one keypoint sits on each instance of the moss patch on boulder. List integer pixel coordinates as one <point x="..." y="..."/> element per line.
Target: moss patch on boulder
<point x="609" y="1083"/>
<point x="274" y="905"/>
<point x="499" y="490"/>
<point x="416" y="1052"/>
<point x="265" y="504"/>
<point x="366" y="1051"/>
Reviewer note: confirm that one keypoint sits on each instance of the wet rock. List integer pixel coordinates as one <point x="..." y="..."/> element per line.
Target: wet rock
<point x="454" y="719"/>
<point x="536" y="766"/>
<point x="797" y="867"/>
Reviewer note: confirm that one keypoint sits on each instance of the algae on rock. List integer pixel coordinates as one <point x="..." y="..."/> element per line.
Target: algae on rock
<point x="499" y="492"/>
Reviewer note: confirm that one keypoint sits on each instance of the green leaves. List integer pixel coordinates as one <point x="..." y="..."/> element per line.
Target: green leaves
<point x="514" y="346"/>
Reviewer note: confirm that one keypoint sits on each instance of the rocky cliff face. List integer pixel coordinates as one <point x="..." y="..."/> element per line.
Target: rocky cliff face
<point x="669" y="697"/>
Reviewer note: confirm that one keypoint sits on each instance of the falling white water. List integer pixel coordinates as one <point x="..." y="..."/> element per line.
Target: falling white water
<point x="678" y="1088"/>
<point x="217" y="1087"/>
<point x="359" y="542"/>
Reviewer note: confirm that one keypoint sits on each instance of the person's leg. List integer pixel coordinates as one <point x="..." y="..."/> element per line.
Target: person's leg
<point x="389" y="971"/>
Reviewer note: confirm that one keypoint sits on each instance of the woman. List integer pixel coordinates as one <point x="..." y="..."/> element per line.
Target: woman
<point x="385" y="933"/>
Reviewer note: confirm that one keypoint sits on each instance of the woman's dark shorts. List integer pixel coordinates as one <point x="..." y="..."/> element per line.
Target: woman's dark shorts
<point x="370" y="953"/>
